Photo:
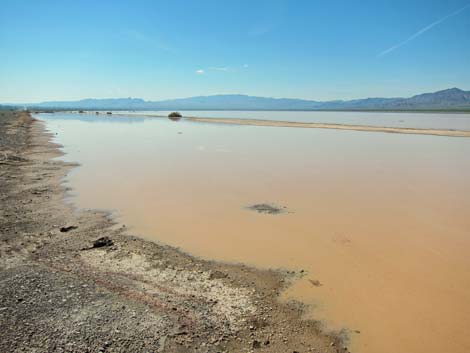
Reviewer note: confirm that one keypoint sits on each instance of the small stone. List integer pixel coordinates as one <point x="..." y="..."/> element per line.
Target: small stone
<point x="103" y="241"/>
<point x="67" y="229"/>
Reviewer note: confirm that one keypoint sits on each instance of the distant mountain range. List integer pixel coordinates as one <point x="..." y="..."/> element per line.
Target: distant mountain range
<point x="449" y="99"/>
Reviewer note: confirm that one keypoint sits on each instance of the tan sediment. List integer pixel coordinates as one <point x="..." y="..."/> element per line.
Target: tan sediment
<point x="396" y="130"/>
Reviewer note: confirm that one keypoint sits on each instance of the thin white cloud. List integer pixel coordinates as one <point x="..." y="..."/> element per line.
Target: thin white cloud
<point x="422" y="30"/>
<point x="219" y="68"/>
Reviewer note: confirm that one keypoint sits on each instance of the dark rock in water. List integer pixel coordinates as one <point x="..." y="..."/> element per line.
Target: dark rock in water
<point x="267" y="208"/>
<point x="67" y="229"/>
<point x="103" y="241"/>
<point x="175" y="116"/>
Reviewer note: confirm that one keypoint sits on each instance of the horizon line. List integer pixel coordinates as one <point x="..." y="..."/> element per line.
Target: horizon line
<point x="223" y="94"/>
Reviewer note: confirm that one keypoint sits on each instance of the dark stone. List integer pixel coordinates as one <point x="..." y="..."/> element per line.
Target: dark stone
<point x="103" y="241"/>
<point x="67" y="229"/>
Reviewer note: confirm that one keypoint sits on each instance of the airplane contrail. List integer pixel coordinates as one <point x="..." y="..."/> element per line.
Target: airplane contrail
<point x="422" y="30"/>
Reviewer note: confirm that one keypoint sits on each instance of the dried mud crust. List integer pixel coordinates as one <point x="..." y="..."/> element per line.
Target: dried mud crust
<point x="61" y="293"/>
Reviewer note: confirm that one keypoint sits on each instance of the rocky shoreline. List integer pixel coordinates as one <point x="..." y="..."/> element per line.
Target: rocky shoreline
<point x="75" y="281"/>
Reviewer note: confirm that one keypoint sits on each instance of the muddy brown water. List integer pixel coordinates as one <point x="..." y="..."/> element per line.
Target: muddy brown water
<point x="379" y="222"/>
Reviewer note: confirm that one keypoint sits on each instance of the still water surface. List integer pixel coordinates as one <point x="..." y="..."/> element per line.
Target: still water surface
<point x="444" y="121"/>
<point x="382" y="221"/>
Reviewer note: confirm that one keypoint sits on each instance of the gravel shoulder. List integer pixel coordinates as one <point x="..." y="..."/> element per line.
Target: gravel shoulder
<point x="61" y="291"/>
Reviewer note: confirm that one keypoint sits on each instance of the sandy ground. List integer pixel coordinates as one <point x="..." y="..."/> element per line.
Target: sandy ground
<point x="58" y="293"/>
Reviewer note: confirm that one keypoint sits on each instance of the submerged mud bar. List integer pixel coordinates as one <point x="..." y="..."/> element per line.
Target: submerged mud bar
<point x="267" y="208"/>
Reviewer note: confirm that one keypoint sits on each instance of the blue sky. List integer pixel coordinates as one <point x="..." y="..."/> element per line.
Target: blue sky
<point x="61" y="50"/>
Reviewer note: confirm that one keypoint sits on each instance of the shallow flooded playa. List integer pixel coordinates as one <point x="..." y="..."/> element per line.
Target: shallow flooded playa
<point x="418" y="120"/>
<point x="378" y="222"/>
